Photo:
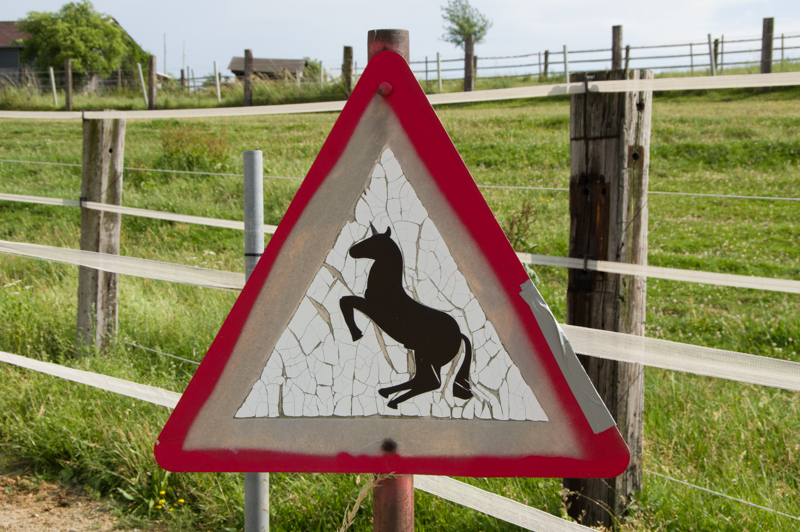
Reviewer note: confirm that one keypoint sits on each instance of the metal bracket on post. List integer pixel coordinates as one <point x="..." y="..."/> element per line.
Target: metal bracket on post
<point x="256" y="485"/>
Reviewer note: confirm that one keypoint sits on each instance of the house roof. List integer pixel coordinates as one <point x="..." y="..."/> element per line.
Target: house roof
<point x="268" y="65"/>
<point x="9" y="32"/>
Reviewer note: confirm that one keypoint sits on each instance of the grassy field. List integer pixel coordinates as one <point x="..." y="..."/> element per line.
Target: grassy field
<point x="738" y="439"/>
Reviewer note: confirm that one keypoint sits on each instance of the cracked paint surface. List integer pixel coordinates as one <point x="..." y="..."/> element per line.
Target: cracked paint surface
<point x="316" y="370"/>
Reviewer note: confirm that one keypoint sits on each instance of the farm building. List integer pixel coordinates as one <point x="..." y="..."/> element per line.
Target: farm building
<point x="270" y="68"/>
<point x="10" y="62"/>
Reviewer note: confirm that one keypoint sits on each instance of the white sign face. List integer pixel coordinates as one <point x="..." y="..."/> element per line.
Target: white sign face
<point x="317" y="369"/>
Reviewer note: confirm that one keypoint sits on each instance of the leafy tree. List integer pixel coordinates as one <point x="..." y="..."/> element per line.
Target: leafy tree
<point x="462" y="19"/>
<point x="94" y="41"/>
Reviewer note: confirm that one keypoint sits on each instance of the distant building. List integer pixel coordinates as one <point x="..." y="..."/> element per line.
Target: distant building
<point x="10" y="62"/>
<point x="270" y="68"/>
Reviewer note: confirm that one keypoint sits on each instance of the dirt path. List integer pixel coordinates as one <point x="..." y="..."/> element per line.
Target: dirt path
<point x="29" y="505"/>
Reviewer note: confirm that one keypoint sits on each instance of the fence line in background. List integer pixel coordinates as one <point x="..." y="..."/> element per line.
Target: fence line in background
<point x="782" y="79"/>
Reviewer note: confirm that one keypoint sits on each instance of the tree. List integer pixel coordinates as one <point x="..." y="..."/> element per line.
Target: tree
<point x="462" y="19"/>
<point x="94" y="41"/>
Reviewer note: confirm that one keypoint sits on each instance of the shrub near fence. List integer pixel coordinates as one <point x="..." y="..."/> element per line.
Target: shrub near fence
<point x="486" y="132"/>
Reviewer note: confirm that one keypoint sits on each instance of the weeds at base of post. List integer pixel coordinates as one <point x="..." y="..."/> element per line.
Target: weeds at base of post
<point x="350" y="513"/>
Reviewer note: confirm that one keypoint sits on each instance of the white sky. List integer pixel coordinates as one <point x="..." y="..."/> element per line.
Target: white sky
<point x="216" y="31"/>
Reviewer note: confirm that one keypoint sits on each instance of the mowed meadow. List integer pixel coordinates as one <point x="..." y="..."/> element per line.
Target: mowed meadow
<point x="739" y="439"/>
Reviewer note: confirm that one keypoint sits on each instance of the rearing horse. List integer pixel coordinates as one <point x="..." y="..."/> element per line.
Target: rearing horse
<point x="433" y="335"/>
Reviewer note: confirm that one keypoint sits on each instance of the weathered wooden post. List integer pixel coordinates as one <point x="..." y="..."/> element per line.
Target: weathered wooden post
<point x="248" y="73"/>
<point x="616" y="47"/>
<point x="469" y="63"/>
<point x="153" y="80"/>
<point x="627" y="57"/>
<point x="68" y="84"/>
<point x="546" y="62"/>
<point x="716" y="54"/>
<point x="347" y="69"/>
<point x="767" y="36"/>
<point x="393" y="498"/>
<point x="609" y="146"/>
<point x="119" y="78"/>
<point x="103" y="157"/>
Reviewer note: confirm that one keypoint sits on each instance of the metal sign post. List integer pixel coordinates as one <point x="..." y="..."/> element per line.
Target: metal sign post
<point x="256" y="485"/>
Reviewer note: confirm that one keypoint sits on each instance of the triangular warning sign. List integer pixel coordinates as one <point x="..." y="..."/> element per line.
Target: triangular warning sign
<point x="390" y="327"/>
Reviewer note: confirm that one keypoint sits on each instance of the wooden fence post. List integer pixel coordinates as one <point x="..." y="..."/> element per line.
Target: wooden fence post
<point x="627" y="57"/>
<point x="119" y="78"/>
<point x="248" y="72"/>
<point x="716" y="53"/>
<point x="546" y="63"/>
<point x="616" y="47"/>
<point x="103" y="156"/>
<point x="767" y="35"/>
<point x="153" y="80"/>
<point x="609" y="146"/>
<point x="347" y="69"/>
<point x="469" y="63"/>
<point x="68" y="84"/>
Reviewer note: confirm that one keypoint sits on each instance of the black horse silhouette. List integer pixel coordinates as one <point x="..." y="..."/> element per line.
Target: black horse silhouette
<point x="433" y="335"/>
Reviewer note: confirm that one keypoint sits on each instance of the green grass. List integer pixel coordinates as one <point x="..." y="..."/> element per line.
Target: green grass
<point x="739" y="439"/>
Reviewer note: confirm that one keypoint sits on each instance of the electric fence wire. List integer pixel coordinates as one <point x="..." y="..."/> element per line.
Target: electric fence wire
<point x="722" y="495"/>
<point x="499" y="187"/>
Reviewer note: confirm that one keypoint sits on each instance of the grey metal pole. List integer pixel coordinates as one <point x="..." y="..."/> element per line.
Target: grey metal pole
<point x="53" y="85"/>
<point x="144" y="88"/>
<point x="439" y="70"/>
<point x="566" y="65"/>
<point x="256" y="485"/>
<point x="712" y="65"/>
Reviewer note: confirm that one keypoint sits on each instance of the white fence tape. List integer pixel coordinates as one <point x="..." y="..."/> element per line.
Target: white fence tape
<point x="150" y="394"/>
<point x="20" y="198"/>
<point x="495" y="505"/>
<point x="538" y="91"/>
<point x="664" y="354"/>
<point x="687" y="358"/>
<point x="148" y="269"/>
<point x="671" y="274"/>
<point x="655" y="272"/>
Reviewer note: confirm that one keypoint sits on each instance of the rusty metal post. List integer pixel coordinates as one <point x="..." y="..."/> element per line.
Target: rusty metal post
<point x="393" y="498"/>
<point x="393" y="505"/>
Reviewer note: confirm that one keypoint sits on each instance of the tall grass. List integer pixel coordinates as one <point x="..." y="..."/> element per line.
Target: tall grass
<point x="738" y="439"/>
